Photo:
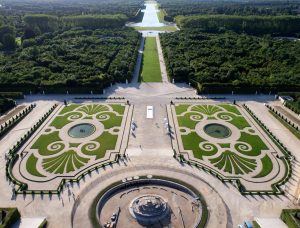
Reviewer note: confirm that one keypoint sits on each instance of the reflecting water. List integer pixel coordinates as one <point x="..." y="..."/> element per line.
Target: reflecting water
<point x="150" y="18"/>
<point x="217" y="130"/>
<point x="81" y="130"/>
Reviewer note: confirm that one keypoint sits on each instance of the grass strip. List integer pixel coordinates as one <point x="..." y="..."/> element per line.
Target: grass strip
<point x="151" y="67"/>
<point x="267" y="167"/>
<point x="291" y="129"/>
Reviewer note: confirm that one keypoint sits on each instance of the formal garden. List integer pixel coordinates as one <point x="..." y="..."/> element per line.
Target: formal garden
<point x="225" y="140"/>
<point x="74" y="139"/>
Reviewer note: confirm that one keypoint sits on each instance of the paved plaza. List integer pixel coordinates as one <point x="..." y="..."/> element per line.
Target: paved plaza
<point x="150" y="152"/>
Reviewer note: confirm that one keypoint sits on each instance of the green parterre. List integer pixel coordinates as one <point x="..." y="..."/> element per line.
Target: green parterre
<point x="55" y="152"/>
<point x="222" y="138"/>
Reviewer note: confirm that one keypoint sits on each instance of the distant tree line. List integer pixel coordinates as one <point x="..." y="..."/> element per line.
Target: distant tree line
<point x="217" y="63"/>
<point x="41" y="22"/>
<point x="12" y="12"/>
<point x="95" y="21"/>
<point x="256" y="25"/>
<point x="70" y="7"/>
<point x="37" y="24"/>
<point x="242" y="8"/>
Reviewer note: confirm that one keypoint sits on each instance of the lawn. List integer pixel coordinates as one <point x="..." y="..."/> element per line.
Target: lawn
<point x="64" y="163"/>
<point x="233" y="163"/>
<point x="150" y="68"/>
<point x="192" y="141"/>
<point x="161" y="14"/>
<point x="31" y="166"/>
<point x="62" y="156"/>
<point x="230" y="108"/>
<point x="231" y="156"/>
<point x="19" y="41"/>
<point x="267" y="167"/>
<point x="163" y="28"/>
<point x="254" y="141"/>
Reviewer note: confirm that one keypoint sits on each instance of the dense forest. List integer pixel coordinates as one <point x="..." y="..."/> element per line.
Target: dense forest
<point x="71" y="58"/>
<point x="7" y="37"/>
<point x="226" y="46"/>
<point x="228" y="60"/>
<point x="255" y="25"/>
<point x="78" y="53"/>
<point x="67" y="46"/>
<point x="12" y="12"/>
<point x="242" y="8"/>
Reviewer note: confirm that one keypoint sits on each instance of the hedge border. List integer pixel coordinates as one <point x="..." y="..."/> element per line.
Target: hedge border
<point x="287" y="218"/>
<point x="12" y="156"/>
<point x="23" y="187"/>
<point x="9" y="124"/>
<point x="12" y="95"/>
<point x="200" y="98"/>
<point x="290" y="104"/>
<point x="180" y="156"/>
<point x="287" y="154"/>
<point x="243" y="88"/>
<point x="99" y="98"/>
<point x="285" y="119"/>
<point x="12" y="216"/>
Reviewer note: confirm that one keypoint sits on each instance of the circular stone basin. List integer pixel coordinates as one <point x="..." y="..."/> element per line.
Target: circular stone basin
<point x="81" y="130"/>
<point x="217" y="130"/>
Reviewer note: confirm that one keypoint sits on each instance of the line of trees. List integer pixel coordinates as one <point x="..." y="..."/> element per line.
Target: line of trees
<point x="95" y="21"/>
<point x="70" y="7"/>
<point x="294" y="105"/>
<point x="256" y="25"/>
<point x="242" y="8"/>
<point x="41" y="22"/>
<point x="37" y="24"/>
